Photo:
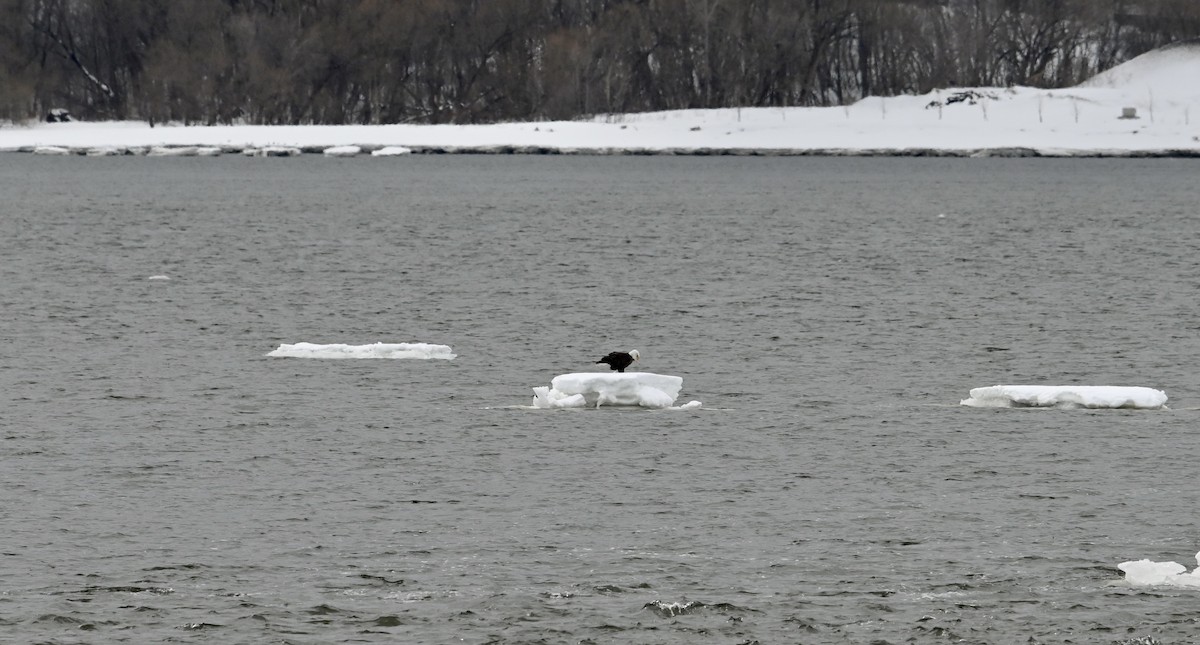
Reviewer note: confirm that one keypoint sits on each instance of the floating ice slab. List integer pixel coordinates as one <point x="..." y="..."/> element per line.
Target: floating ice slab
<point x="272" y="151"/>
<point x="376" y="350"/>
<point x="391" y="151"/>
<point x="594" y="389"/>
<point x="343" y="151"/>
<point x="1066" y="396"/>
<point x="1146" y="573"/>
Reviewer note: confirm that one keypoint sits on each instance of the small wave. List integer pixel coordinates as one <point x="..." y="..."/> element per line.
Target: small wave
<point x="375" y="350"/>
<point x="323" y="610"/>
<point x="200" y="626"/>
<point x="119" y="589"/>
<point x="389" y="620"/>
<point x="671" y="609"/>
<point x="58" y="619"/>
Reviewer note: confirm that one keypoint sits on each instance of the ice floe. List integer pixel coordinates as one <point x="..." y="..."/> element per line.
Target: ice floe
<point x="1147" y="573"/>
<point x="374" y="350"/>
<point x="343" y="151"/>
<point x="391" y="151"/>
<point x="1066" y="396"/>
<point x="596" y="389"/>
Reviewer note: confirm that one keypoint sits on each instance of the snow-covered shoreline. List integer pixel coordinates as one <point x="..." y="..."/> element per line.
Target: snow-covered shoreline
<point x="1143" y="108"/>
<point x="368" y="149"/>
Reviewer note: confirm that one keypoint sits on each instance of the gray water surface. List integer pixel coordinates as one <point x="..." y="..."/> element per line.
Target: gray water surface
<point x="165" y="481"/>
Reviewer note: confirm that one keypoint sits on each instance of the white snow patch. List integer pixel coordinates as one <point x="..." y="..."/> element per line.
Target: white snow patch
<point x="159" y="277"/>
<point x="594" y="389"/>
<point x="375" y="350"/>
<point x="1159" y="72"/>
<point x="1066" y="396"/>
<point x="1147" y="573"/>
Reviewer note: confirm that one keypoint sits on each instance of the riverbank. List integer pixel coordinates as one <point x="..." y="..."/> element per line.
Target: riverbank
<point x="1142" y="108"/>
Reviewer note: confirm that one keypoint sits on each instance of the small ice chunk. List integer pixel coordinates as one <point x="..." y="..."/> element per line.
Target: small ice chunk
<point x="343" y="151"/>
<point x="272" y="151"/>
<point x="545" y="398"/>
<point x="391" y="151"/>
<point x="173" y="151"/>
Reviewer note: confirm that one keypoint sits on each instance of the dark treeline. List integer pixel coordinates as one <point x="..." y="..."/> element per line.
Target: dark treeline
<point x="438" y="61"/>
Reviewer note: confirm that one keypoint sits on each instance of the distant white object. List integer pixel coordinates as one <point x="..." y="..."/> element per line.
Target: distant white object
<point x="1066" y="396"/>
<point x="376" y="350"/>
<point x="391" y="151"/>
<point x="158" y="277"/>
<point x="1146" y="573"/>
<point x="1129" y="113"/>
<point x="172" y="151"/>
<point x="105" y="151"/>
<point x="51" y="150"/>
<point x="594" y="389"/>
<point x="343" y="151"/>
<point x="272" y="151"/>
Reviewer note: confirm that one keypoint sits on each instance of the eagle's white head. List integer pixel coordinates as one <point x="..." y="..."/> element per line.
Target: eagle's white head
<point x="635" y="354"/>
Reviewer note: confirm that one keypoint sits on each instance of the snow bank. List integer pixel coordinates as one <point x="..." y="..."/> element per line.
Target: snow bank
<point x="376" y="350"/>
<point x="594" y="389"/>
<point x="1146" y="573"/>
<point x="1066" y="396"/>
<point x="1159" y="72"/>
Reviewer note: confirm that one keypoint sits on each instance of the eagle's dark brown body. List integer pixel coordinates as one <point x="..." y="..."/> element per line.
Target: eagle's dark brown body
<point x="620" y="360"/>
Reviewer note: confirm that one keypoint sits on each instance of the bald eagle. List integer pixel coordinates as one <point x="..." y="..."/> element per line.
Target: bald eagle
<point x="620" y="360"/>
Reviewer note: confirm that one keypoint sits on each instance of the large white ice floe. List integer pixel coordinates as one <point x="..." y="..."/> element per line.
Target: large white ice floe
<point x="375" y="350"/>
<point x="594" y="389"/>
<point x="1147" y="573"/>
<point x="1066" y="396"/>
